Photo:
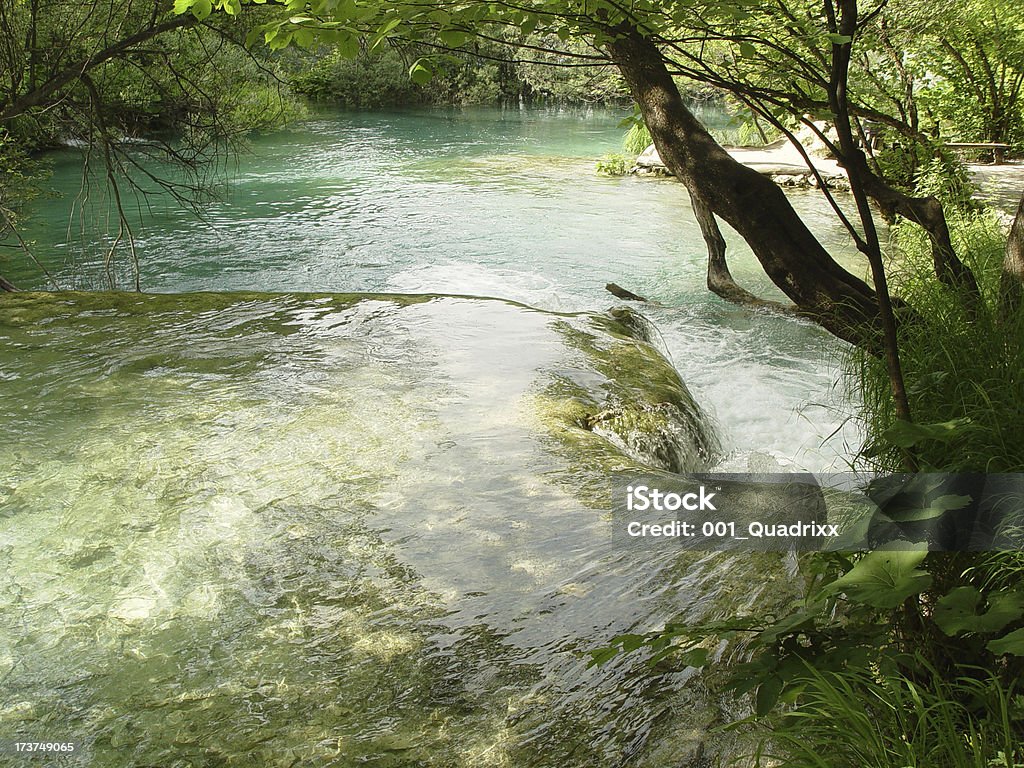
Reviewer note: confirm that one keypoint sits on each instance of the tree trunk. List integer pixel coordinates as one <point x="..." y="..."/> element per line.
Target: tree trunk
<point x="720" y="279"/>
<point x="752" y="204"/>
<point x="1011" y="283"/>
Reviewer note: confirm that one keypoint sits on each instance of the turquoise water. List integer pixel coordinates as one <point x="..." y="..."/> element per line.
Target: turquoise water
<point x="486" y="202"/>
<point x="246" y="528"/>
<point x="276" y="530"/>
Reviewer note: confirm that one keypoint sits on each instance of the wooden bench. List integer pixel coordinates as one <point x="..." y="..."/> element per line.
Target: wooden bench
<point x="998" y="150"/>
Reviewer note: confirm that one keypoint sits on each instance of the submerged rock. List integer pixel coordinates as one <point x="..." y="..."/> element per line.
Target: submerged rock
<point x="336" y="529"/>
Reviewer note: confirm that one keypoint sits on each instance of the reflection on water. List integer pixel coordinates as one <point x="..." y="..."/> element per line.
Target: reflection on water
<point x="285" y="530"/>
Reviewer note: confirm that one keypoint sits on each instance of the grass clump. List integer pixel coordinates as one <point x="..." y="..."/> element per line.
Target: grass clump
<point x="870" y="719"/>
<point x="962" y="367"/>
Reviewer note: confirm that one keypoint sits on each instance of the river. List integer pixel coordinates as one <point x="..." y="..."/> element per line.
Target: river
<point x="304" y="528"/>
<point x="486" y="202"/>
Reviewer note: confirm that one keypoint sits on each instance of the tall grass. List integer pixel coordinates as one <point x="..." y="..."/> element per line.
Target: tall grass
<point x="858" y="719"/>
<point x="638" y="138"/>
<point x="962" y="369"/>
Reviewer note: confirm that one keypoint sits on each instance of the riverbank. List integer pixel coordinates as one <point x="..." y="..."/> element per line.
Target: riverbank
<point x="999" y="185"/>
<point x="780" y="161"/>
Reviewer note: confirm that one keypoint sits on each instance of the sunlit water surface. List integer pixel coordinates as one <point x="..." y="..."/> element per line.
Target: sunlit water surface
<point x="484" y="202"/>
<point x="298" y="530"/>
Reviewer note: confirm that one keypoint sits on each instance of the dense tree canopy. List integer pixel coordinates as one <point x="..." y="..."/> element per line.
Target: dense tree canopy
<point x="94" y="74"/>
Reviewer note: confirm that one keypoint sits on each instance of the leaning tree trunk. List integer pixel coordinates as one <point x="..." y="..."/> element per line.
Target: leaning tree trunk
<point x="1011" y="284"/>
<point x="752" y="204"/>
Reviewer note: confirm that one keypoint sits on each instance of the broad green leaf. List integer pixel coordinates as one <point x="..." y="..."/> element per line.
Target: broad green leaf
<point x="180" y="6"/>
<point x="452" y="38"/>
<point x="629" y="642"/>
<point x="1012" y="644"/>
<point x="347" y="45"/>
<point x="768" y="694"/>
<point x="695" y="657"/>
<point x="202" y="8"/>
<point x="884" y="579"/>
<point x="747" y="50"/>
<point x="927" y="510"/>
<point x="957" y="611"/>
<point x="839" y="39"/>
<point x="280" y="39"/>
<point x="419" y="73"/>
<point x="602" y="656"/>
<point x="383" y="31"/>
<point x="304" y="38"/>
<point x="904" y="434"/>
<point x="254" y="35"/>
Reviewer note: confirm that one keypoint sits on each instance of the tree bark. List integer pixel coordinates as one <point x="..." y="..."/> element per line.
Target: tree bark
<point x="752" y="204"/>
<point x="7" y="286"/>
<point x="927" y="213"/>
<point x="846" y="27"/>
<point x="1011" y="283"/>
<point x="720" y="279"/>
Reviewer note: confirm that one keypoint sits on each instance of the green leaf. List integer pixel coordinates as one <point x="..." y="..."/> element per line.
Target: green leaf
<point x="279" y="39"/>
<point x="202" y="8"/>
<point x="884" y="579"/>
<point x="254" y="35"/>
<point x="767" y="694"/>
<point x="385" y="29"/>
<point x="695" y="657"/>
<point x="180" y="6"/>
<point x="1012" y="644"/>
<point x="839" y="39"/>
<point x="347" y="45"/>
<point x="927" y="510"/>
<point x="452" y="38"/>
<point x="792" y="623"/>
<point x="904" y="434"/>
<point x="419" y="73"/>
<point x="304" y="38"/>
<point x="957" y="611"/>
<point x="602" y="656"/>
<point x="747" y="50"/>
<point x="629" y="643"/>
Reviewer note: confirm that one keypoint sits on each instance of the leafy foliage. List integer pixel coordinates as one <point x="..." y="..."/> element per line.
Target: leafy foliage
<point x="961" y="366"/>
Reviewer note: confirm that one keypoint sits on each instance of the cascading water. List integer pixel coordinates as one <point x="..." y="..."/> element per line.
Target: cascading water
<point x="258" y="529"/>
<point x="302" y="528"/>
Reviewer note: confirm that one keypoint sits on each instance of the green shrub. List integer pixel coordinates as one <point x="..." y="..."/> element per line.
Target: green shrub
<point x="884" y="719"/>
<point x="638" y="138"/>
<point x="380" y="80"/>
<point x="961" y="368"/>
<point x="614" y="164"/>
